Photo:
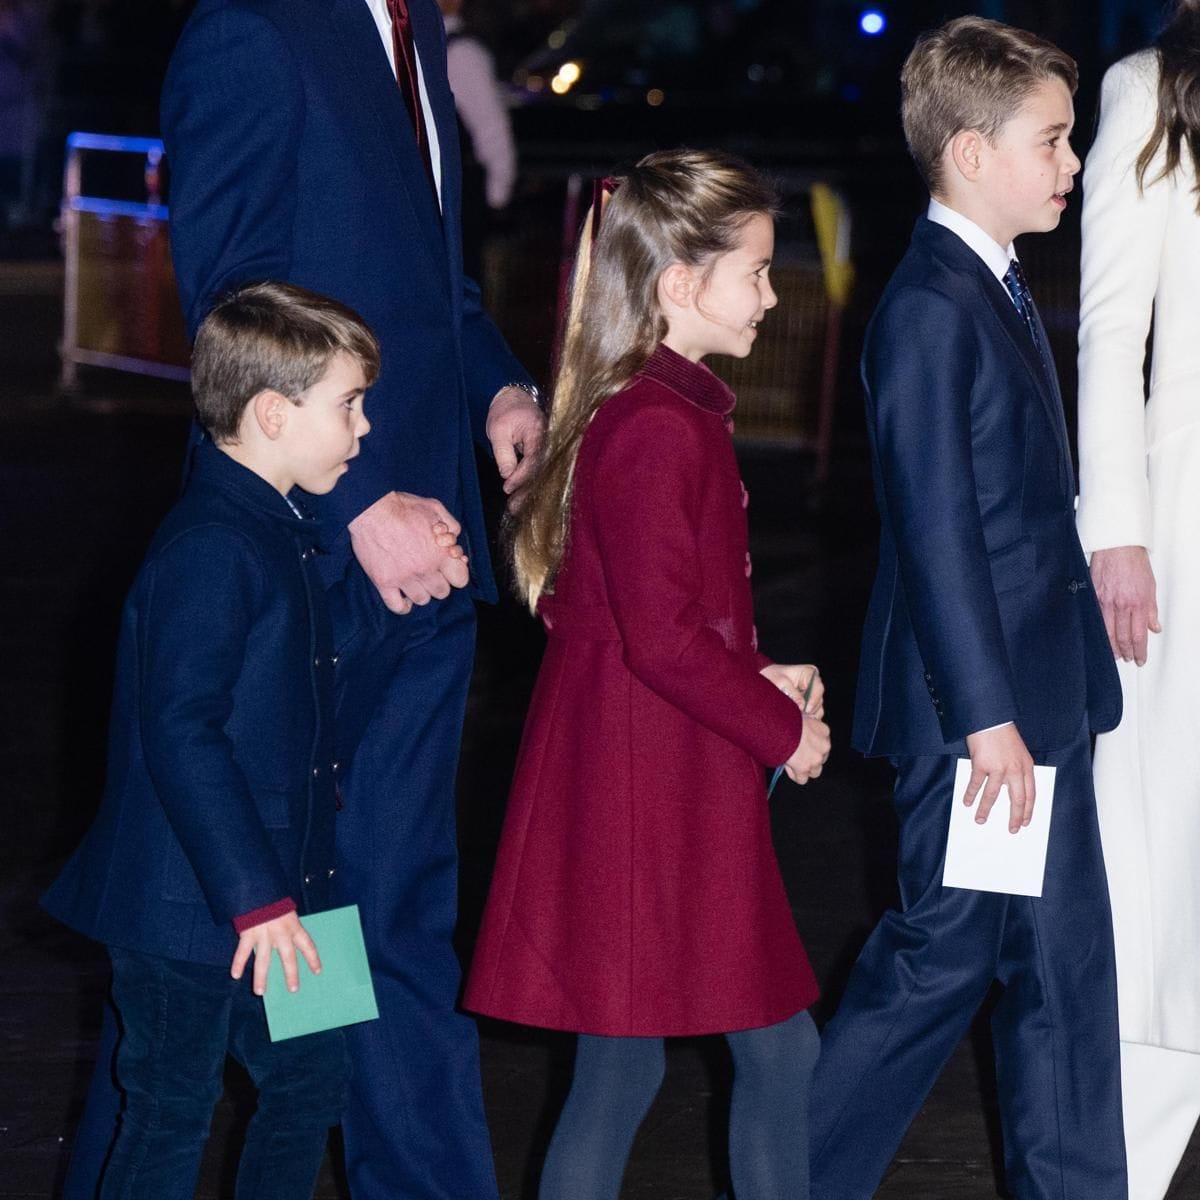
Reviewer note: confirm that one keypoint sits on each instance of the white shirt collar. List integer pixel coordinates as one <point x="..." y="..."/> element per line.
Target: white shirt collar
<point x="993" y="254"/>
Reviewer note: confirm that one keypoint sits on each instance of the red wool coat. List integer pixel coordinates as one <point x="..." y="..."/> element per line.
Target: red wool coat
<point x="636" y="890"/>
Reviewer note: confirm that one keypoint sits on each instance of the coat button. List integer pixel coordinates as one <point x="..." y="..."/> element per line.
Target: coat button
<point x="335" y="766"/>
<point x="308" y="879"/>
<point x="334" y="660"/>
<point x="329" y="873"/>
<point x="316" y="772"/>
<point x="1076" y="585"/>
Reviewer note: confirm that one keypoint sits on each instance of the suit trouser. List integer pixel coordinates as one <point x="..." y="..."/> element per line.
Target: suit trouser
<point x="1161" y="1091"/>
<point x="414" y="1126"/>
<point x="924" y="973"/>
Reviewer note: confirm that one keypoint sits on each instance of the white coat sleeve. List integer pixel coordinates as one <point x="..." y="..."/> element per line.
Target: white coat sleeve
<point x="1124" y="234"/>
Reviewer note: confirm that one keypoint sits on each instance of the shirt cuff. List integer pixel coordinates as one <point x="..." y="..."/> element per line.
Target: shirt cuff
<point x="268" y="912"/>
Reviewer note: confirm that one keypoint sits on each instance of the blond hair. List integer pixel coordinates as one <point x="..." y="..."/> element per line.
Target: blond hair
<point x="270" y="336"/>
<point x="685" y="206"/>
<point x="971" y="73"/>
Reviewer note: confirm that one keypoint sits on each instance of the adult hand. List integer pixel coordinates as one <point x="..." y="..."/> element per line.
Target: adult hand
<point x="401" y="547"/>
<point x="793" y="679"/>
<point x="515" y="426"/>
<point x="1124" y="583"/>
<point x="809" y="757"/>
<point x="285" y="935"/>
<point x="999" y="758"/>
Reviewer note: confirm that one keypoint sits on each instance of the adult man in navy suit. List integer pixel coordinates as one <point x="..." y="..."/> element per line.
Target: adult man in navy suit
<point x="982" y="639"/>
<point x="315" y="141"/>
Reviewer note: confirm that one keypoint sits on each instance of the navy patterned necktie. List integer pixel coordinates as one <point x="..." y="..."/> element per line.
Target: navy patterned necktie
<point x="1022" y="298"/>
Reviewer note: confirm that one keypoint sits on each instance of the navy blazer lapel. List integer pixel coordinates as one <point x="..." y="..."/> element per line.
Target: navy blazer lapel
<point x="375" y="94"/>
<point x="949" y="246"/>
<point x="429" y="34"/>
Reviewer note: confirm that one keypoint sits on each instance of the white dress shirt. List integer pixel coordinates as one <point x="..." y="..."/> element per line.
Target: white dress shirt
<point x="383" y="21"/>
<point x="992" y="253"/>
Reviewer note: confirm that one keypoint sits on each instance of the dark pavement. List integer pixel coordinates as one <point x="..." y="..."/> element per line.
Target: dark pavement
<point x="83" y="483"/>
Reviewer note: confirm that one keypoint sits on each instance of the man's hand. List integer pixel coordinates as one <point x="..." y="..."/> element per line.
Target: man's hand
<point x="401" y="542"/>
<point x="515" y="426"/>
<point x="1124" y="584"/>
<point x="285" y="935"/>
<point x="794" y="679"/>
<point x="999" y="757"/>
<point x="809" y="757"/>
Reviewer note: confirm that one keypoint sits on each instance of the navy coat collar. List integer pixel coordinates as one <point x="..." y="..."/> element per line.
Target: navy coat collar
<point x="950" y="249"/>
<point x="213" y="468"/>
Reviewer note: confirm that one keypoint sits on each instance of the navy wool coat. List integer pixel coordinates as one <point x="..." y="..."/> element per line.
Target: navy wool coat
<point x="220" y="793"/>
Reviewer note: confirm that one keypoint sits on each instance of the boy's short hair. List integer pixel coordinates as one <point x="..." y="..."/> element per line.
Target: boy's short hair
<point x="274" y="336"/>
<point x="971" y="73"/>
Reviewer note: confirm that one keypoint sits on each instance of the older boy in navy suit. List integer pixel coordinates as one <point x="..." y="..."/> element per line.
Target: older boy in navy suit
<point x="216" y="826"/>
<point x="982" y="639"/>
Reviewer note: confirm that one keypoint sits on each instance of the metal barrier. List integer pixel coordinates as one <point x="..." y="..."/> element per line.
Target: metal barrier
<point x="120" y="307"/>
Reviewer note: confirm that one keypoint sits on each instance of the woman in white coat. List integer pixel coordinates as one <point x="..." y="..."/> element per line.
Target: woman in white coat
<point x="1139" y="517"/>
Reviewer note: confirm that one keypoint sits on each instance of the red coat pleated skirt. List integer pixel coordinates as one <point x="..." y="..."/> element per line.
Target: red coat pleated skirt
<point x="636" y="889"/>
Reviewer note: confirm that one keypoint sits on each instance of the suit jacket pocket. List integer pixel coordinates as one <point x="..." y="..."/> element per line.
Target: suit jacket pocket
<point x="1013" y="565"/>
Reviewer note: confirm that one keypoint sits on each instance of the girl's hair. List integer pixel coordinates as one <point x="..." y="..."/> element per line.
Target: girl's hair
<point x="685" y="206"/>
<point x="1178" y="121"/>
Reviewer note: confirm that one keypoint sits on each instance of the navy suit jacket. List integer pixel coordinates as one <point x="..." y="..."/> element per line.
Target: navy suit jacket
<point x="982" y="611"/>
<point x="219" y="797"/>
<point x="293" y="158"/>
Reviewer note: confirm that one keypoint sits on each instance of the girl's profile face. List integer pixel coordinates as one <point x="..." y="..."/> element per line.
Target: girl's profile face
<point x="731" y="297"/>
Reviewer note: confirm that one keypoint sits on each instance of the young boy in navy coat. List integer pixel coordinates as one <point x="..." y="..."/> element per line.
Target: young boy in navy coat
<point x="216" y="827"/>
<point x="983" y="640"/>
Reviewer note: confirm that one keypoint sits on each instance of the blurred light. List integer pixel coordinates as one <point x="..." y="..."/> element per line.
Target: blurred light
<point x="756" y="73"/>
<point x="557" y="39"/>
<point x="569" y="72"/>
<point x="654" y="97"/>
<point x="872" y="22"/>
<point x="535" y="83"/>
<point x="559" y="86"/>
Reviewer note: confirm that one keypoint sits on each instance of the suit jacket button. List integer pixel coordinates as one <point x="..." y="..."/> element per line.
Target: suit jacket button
<point x="316" y="772"/>
<point x="329" y="873"/>
<point x="308" y="879"/>
<point x="334" y="660"/>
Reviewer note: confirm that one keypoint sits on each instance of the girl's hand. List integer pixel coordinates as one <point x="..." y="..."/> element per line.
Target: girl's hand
<point x="809" y="757"/>
<point x="284" y="934"/>
<point x="794" y="679"/>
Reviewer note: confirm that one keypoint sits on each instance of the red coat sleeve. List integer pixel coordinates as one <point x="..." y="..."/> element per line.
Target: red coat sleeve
<point x="651" y="468"/>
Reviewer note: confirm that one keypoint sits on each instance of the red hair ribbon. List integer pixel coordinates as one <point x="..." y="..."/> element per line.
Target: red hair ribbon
<point x="600" y="189"/>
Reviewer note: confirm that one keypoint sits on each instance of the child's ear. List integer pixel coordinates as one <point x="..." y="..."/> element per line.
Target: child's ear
<point x="678" y="284"/>
<point x="269" y="411"/>
<point x="965" y="153"/>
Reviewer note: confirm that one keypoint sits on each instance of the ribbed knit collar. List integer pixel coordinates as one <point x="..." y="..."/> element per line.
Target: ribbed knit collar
<point x="693" y="381"/>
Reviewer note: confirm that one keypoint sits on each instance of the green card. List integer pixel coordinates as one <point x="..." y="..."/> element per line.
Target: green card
<point x="341" y="995"/>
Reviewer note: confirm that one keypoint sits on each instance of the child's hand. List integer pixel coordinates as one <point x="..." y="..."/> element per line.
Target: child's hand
<point x="999" y="758"/>
<point x="809" y="757"/>
<point x="794" y="679"/>
<point x="448" y="541"/>
<point x="283" y="934"/>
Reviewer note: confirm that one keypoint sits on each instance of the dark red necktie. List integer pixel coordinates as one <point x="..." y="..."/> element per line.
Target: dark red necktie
<point x="406" y="76"/>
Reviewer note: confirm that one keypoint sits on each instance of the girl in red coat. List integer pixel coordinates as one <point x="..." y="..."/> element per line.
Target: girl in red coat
<point x="636" y="894"/>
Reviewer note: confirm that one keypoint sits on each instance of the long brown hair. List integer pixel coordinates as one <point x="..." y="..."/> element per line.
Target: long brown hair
<point x="1178" y="121"/>
<point x="686" y="206"/>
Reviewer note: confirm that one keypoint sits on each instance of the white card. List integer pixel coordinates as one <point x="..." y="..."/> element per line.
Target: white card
<point x="987" y="858"/>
